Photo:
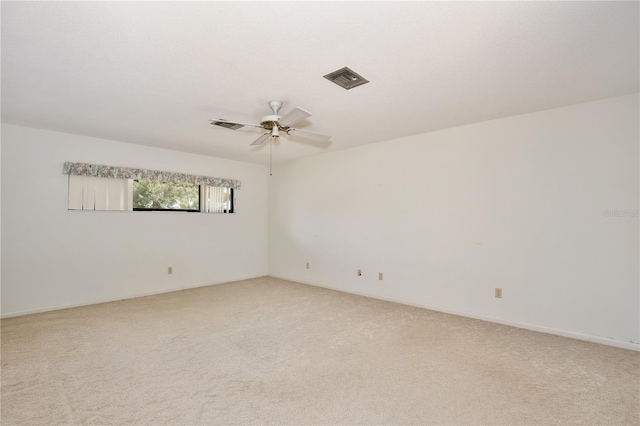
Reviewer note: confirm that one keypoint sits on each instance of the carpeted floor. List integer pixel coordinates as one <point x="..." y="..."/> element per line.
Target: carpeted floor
<point x="268" y="351"/>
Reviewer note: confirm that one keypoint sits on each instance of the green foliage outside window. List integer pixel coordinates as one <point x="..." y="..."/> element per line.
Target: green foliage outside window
<point x="155" y="195"/>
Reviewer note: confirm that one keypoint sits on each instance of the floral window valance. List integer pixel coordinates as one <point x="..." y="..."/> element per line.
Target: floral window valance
<point x="97" y="170"/>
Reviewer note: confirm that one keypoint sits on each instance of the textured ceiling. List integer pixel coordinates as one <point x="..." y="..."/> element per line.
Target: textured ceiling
<point x="154" y="73"/>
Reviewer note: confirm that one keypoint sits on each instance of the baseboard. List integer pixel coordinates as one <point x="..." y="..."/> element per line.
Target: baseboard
<point x="96" y="302"/>
<point x="541" y="329"/>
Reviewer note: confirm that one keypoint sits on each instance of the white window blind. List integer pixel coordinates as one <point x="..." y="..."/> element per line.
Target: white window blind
<point x="98" y="193"/>
<point x="217" y="199"/>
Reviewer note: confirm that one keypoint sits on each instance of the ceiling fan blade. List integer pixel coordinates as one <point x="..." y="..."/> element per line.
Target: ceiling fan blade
<point x="309" y="135"/>
<point x="293" y="116"/>
<point x="261" y="139"/>
<point x="233" y="125"/>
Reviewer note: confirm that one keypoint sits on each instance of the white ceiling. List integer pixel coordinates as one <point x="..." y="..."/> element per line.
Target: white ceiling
<point x="154" y="73"/>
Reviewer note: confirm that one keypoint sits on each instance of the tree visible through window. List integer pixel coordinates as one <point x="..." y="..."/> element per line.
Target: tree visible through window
<point x="156" y="195"/>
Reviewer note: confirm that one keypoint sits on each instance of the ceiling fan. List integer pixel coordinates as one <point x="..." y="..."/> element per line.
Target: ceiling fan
<point x="274" y="124"/>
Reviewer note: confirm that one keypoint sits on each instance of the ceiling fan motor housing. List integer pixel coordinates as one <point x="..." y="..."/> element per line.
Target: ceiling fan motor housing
<point x="268" y="121"/>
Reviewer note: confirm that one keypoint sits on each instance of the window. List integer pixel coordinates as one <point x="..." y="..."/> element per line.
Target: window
<point x="156" y="195"/>
<point x="98" y="193"/>
<point x="100" y="187"/>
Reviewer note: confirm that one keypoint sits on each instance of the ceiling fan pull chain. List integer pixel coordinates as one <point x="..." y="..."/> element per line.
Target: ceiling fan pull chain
<point x="270" y="157"/>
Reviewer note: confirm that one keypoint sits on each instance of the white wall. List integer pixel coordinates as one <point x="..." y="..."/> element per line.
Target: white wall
<point x="516" y="203"/>
<point x="53" y="258"/>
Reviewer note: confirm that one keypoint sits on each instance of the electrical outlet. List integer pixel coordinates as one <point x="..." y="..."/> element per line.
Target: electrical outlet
<point x="380" y="276"/>
<point x="170" y="270"/>
<point x="307" y="265"/>
<point x="498" y="293"/>
<point x="359" y="272"/>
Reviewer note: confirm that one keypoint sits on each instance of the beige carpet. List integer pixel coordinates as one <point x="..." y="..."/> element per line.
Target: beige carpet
<point x="268" y="351"/>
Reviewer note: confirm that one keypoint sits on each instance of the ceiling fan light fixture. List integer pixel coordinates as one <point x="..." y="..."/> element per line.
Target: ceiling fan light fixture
<point x="346" y="78"/>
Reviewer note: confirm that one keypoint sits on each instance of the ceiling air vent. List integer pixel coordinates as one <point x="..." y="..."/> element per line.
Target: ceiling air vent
<point x="346" y="78"/>
<point x="232" y="126"/>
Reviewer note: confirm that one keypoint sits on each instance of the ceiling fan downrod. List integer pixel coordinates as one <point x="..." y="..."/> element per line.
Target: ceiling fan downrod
<point x="275" y="106"/>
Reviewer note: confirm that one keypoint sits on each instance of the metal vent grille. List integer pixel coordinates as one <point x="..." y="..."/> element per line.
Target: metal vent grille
<point x="346" y="78"/>
<point x="232" y="126"/>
